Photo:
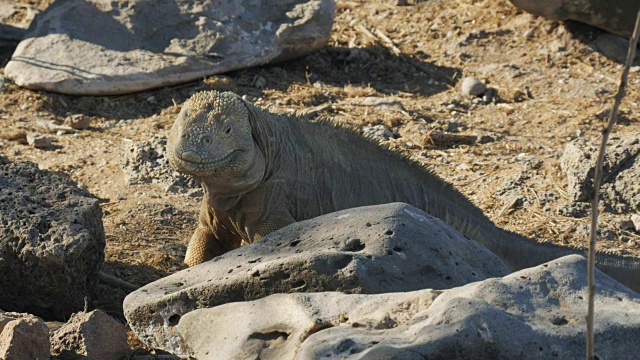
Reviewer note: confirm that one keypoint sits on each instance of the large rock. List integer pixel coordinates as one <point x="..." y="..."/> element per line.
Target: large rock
<point x="375" y="249"/>
<point x="114" y="47"/>
<point x="23" y="337"/>
<point x="621" y="182"/>
<point x="51" y="242"/>
<point x="92" y="335"/>
<point x="616" y="16"/>
<point x="146" y="162"/>
<point x="536" y="313"/>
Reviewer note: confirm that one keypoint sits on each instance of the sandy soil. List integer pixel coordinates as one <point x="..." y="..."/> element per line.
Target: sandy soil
<point x="552" y="86"/>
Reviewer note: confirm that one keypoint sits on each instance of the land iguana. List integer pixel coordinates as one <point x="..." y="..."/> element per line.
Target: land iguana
<point x="261" y="171"/>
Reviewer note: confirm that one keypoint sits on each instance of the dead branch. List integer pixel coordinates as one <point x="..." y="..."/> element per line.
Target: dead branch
<point x="633" y="43"/>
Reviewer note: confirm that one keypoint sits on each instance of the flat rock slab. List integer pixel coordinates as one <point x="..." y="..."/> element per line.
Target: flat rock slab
<point x="535" y="313"/>
<point x="374" y="249"/>
<point x="621" y="182"/>
<point x="96" y="47"/>
<point x="51" y="242"/>
<point x="615" y="16"/>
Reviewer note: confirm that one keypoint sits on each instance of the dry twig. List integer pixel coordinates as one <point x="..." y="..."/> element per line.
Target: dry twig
<point x="596" y="188"/>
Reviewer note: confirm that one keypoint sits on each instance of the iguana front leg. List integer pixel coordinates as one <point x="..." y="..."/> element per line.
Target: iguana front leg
<point x="210" y="239"/>
<point x="204" y="246"/>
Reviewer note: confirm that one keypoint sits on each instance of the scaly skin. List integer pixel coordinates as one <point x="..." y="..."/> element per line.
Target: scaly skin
<point x="261" y="172"/>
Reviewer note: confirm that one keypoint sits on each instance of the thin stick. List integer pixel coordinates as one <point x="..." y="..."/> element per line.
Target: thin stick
<point x="596" y="188"/>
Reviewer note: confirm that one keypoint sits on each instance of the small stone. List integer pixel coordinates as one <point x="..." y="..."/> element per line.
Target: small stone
<point x="151" y="99"/>
<point x="472" y="86"/>
<point x="78" y="121"/>
<point x="25" y="106"/>
<point x="378" y="132"/>
<point x="92" y="335"/>
<point x="612" y="46"/>
<point x="557" y="46"/>
<point x="528" y="34"/>
<point x="579" y="133"/>
<point x="39" y="141"/>
<point x="259" y="82"/>
<point x="25" y="337"/>
<point x="317" y="84"/>
<point x="635" y="218"/>
<point x="60" y="132"/>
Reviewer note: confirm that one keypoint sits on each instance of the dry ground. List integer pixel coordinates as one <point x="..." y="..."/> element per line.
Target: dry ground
<point x="551" y="85"/>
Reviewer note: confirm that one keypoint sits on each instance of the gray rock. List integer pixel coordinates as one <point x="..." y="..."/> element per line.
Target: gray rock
<point x="115" y="47"/>
<point x="535" y="313"/>
<point x="23" y="337"/>
<point x="145" y="162"/>
<point x="51" y="242"/>
<point x="378" y="132"/>
<point x="621" y="184"/>
<point x="93" y="335"/>
<point x="375" y="249"/>
<point x="472" y="86"/>
<point x="613" y="46"/>
<point x="616" y="16"/>
<point x="78" y="121"/>
<point x="24" y="13"/>
<point x="39" y="141"/>
<point x="635" y="219"/>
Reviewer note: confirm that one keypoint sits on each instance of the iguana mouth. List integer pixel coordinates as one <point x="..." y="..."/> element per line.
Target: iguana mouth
<point x="195" y="161"/>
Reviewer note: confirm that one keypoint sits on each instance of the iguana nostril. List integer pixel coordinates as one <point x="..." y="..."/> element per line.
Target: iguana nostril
<point x="205" y="139"/>
<point x="190" y="156"/>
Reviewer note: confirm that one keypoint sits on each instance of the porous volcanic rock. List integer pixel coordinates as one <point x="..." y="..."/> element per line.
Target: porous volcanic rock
<point x="536" y="313"/>
<point x="621" y="182"/>
<point x="51" y="242"/>
<point x="374" y="249"/>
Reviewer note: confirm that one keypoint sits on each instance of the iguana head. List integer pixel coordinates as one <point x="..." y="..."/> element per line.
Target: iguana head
<point x="211" y="139"/>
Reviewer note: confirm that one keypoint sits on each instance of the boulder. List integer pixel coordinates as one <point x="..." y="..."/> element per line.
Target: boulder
<point x="621" y="183"/>
<point x="615" y="16"/>
<point x="92" y="335"/>
<point x="535" y="313"/>
<point x="95" y="47"/>
<point x="51" y="242"/>
<point x="373" y="249"/>
<point x="23" y="337"/>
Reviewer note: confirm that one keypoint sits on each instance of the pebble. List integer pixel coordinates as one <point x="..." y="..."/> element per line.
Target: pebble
<point x="472" y="86"/>
<point x="78" y="121"/>
<point x="613" y="46"/>
<point x="259" y="82"/>
<point x="635" y="218"/>
<point x="378" y="132"/>
<point x="528" y="34"/>
<point x="39" y="141"/>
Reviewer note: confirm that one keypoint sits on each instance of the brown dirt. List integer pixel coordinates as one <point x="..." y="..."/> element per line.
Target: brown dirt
<point x="545" y="97"/>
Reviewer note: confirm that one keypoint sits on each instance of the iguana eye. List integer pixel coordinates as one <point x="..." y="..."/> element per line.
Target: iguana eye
<point x="227" y="130"/>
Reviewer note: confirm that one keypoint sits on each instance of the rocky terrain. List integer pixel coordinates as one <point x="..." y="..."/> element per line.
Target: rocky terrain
<point x="505" y="105"/>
